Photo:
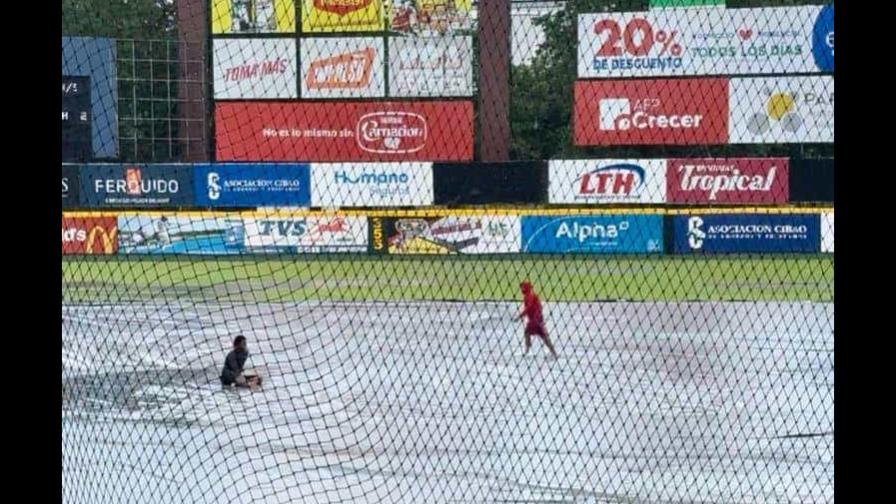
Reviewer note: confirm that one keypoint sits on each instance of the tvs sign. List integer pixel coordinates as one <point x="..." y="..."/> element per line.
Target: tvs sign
<point x="344" y="131"/>
<point x="342" y="67"/>
<point x="654" y="112"/>
<point x="736" y="181"/>
<point x="371" y="184"/>
<point x="312" y="234"/>
<point x="89" y="235"/>
<point x="607" y="181"/>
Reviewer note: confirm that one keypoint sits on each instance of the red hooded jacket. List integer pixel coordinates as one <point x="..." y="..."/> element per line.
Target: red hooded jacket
<point x="531" y="304"/>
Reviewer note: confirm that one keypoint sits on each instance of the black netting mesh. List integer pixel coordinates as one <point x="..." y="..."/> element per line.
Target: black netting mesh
<point x="392" y="200"/>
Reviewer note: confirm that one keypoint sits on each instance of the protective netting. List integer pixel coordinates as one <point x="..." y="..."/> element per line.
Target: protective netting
<point x="372" y="192"/>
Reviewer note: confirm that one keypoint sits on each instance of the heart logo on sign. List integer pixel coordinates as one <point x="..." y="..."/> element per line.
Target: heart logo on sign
<point x="745" y="34"/>
<point x="392" y="142"/>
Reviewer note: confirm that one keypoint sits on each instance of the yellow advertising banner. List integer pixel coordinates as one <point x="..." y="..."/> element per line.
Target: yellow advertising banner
<point x="429" y="17"/>
<point x="253" y="16"/>
<point x="332" y="16"/>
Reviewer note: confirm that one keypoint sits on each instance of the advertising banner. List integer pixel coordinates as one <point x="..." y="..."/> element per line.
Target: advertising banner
<point x="430" y="18"/>
<point x="344" y="131"/>
<point x="253" y="16"/>
<point x="827" y="232"/>
<point x="728" y="181"/>
<point x="595" y="181"/>
<point x="342" y="15"/>
<point x="311" y="235"/>
<point x="76" y="123"/>
<point x="707" y="41"/>
<point x="71" y="187"/>
<point x="593" y="234"/>
<point x="371" y="184"/>
<point x="753" y="233"/>
<point x="180" y="235"/>
<point x="150" y="185"/>
<point x="255" y="68"/>
<point x="89" y="235"/>
<point x="427" y="67"/>
<point x="651" y="112"/>
<point x="469" y="234"/>
<point x="252" y="185"/>
<point x="782" y="110"/>
<point x="343" y="67"/>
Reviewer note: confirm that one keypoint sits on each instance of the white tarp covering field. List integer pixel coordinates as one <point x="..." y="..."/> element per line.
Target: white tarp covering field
<point x="433" y="402"/>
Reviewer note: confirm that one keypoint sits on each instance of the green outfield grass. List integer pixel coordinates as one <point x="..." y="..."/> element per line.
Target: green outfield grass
<point x="365" y="278"/>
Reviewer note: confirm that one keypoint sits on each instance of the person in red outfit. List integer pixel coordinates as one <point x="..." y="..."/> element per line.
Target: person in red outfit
<point x="535" y="320"/>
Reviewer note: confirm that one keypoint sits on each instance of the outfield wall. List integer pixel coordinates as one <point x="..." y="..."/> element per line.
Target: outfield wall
<point x="436" y="232"/>
<point x="576" y="183"/>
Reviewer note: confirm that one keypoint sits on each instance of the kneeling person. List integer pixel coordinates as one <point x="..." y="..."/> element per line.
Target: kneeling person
<point x="233" y="373"/>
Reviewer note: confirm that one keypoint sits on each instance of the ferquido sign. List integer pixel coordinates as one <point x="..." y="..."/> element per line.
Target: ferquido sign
<point x="136" y="185"/>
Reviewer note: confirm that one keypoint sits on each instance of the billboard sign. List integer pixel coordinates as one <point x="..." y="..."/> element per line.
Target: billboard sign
<point x="371" y="184"/>
<point x="827" y="232"/>
<point x="593" y="234"/>
<point x="126" y="185"/>
<point x="323" y="234"/>
<point x="71" y="187"/>
<point x="651" y="112"/>
<point x="782" y="110"/>
<point x="253" y="16"/>
<point x="468" y="234"/>
<point x="343" y="67"/>
<point x="89" y="235"/>
<point x="342" y="16"/>
<point x="344" y="131"/>
<point x="595" y="181"/>
<point x="728" y="181"/>
<point x="427" y="67"/>
<point x="707" y="41"/>
<point x="143" y="234"/>
<point x="751" y="233"/>
<point x="255" y="68"/>
<point x="252" y="185"/>
<point x="430" y="18"/>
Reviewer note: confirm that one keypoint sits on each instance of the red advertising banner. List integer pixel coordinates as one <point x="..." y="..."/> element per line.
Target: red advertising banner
<point x="651" y="112"/>
<point x="344" y="131"/>
<point x="738" y="181"/>
<point x="89" y="235"/>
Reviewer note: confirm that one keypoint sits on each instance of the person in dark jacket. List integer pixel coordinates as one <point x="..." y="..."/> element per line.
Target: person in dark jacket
<point x="232" y="374"/>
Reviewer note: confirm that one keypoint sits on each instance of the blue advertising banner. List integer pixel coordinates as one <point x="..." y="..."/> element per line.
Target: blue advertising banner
<point x="593" y="234"/>
<point x="252" y="185"/>
<point x="142" y="234"/>
<point x="157" y="185"/>
<point x="752" y="233"/>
